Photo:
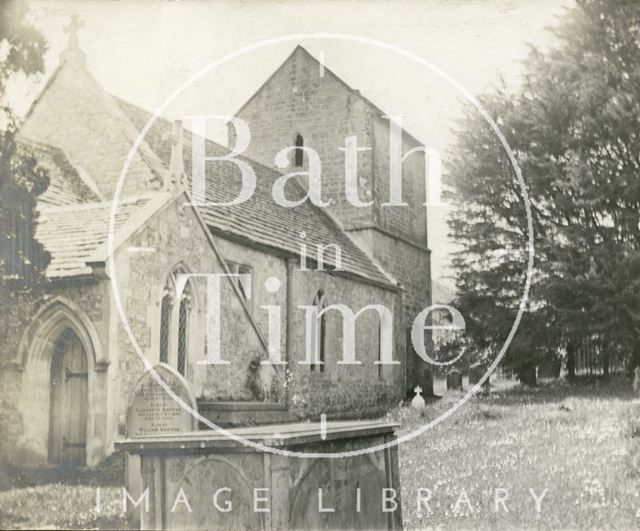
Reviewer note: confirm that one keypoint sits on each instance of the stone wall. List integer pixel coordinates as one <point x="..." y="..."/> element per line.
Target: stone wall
<point x="181" y="240"/>
<point x="262" y="266"/>
<point x="408" y="222"/>
<point x="339" y="389"/>
<point x="345" y="390"/>
<point x="412" y="264"/>
<point x="324" y="110"/>
<point x="24" y="395"/>
<point x="15" y="319"/>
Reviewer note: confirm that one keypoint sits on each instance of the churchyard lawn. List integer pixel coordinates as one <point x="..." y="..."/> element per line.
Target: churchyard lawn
<point x="495" y="457"/>
<point x="580" y="442"/>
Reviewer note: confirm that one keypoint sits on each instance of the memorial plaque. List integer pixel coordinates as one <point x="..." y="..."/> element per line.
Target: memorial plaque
<point x="153" y="411"/>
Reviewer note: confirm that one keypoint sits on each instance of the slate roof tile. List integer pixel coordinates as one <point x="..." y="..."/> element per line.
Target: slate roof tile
<point x="260" y="219"/>
<point x="67" y="185"/>
<point x="73" y="233"/>
<point x="73" y="223"/>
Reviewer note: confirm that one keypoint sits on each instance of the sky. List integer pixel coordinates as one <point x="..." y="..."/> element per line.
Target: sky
<point x="142" y="51"/>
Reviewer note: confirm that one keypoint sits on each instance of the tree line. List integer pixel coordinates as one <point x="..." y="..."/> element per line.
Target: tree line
<point x="574" y="128"/>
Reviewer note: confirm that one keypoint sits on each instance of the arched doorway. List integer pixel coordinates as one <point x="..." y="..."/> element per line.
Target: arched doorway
<point x="68" y="401"/>
<point x="60" y="337"/>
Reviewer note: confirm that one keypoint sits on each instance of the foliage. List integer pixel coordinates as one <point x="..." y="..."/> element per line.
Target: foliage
<point x="22" y="259"/>
<point x="254" y="382"/>
<point x="573" y="128"/>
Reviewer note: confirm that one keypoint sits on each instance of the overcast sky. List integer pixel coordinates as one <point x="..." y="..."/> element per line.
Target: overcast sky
<point x="142" y="51"/>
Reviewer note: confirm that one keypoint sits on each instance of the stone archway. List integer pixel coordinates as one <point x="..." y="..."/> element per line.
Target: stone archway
<point x="60" y="356"/>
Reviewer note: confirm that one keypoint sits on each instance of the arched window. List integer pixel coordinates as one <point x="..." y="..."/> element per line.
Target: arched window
<point x="183" y="328"/>
<point x="299" y="152"/>
<point x="165" y="325"/>
<point x="320" y="332"/>
<point x="175" y="312"/>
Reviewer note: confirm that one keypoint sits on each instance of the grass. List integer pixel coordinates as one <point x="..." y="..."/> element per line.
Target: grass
<point x="578" y="441"/>
<point x="60" y="506"/>
<point x="55" y="498"/>
<point x="581" y="442"/>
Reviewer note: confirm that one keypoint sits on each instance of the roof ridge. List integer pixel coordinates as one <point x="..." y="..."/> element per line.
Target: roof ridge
<point x="145" y="152"/>
<point x="187" y="141"/>
<point x="46" y="87"/>
<point x="133" y="224"/>
<point x="326" y="70"/>
<point x="78" y="239"/>
<point x="124" y="123"/>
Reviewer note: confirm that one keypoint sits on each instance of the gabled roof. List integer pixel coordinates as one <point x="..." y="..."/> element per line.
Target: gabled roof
<point x="303" y="52"/>
<point x="260" y="220"/>
<point x="76" y="235"/>
<point x="68" y="184"/>
<point x="74" y="113"/>
<point x="72" y="233"/>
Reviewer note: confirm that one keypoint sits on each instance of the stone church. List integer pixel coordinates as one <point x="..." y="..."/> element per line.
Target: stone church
<point x="68" y="362"/>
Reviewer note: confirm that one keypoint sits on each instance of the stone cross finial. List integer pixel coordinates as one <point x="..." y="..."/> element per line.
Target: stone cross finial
<point x="417" y="390"/>
<point x="72" y="28"/>
<point x="73" y="51"/>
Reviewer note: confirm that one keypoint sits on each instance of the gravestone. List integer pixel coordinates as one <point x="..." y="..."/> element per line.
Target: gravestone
<point x="476" y="372"/>
<point x="454" y="381"/>
<point x="418" y="401"/>
<point x="152" y="410"/>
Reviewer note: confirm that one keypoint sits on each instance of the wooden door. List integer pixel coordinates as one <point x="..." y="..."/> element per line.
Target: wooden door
<point x="68" y="414"/>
